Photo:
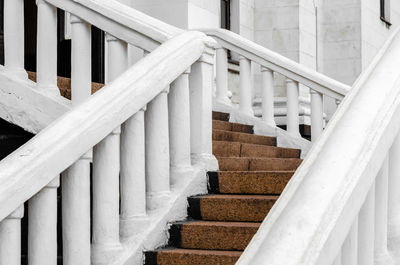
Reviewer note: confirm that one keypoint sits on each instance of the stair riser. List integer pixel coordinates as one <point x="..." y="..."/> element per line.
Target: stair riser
<point x="235" y="149"/>
<point x="219" y="135"/>
<point x="233" y="127"/>
<point x="181" y="257"/>
<point x="234" y="164"/>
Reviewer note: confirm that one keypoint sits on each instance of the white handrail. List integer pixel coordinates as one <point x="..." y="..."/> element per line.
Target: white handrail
<point x="26" y="171"/>
<point x="318" y="208"/>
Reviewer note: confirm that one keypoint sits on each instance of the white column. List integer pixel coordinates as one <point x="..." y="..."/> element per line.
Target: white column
<point x="394" y="199"/>
<point x="317" y="112"/>
<point x="42" y="228"/>
<point x="179" y="126"/>
<point x="76" y="180"/>
<point x="222" y="76"/>
<point x="268" y="114"/>
<point x="246" y="104"/>
<point x="366" y="229"/>
<point x="350" y="246"/>
<point x="14" y="38"/>
<point x="10" y="235"/>
<point x="201" y="83"/>
<point x="47" y="47"/>
<point x="292" y="105"/>
<point x="157" y="150"/>
<point x="133" y="177"/>
<point x="338" y="260"/>
<point x="381" y="216"/>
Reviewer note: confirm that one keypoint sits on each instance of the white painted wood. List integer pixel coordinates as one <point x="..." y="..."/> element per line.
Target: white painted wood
<point x="317" y="115"/>
<point x="46" y="66"/>
<point x="10" y="234"/>
<point x="76" y="180"/>
<point x="14" y="49"/>
<point x="278" y="63"/>
<point x="338" y="260"/>
<point x="179" y="125"/>
<point x="222" y="76"/>
<point x="201" y="83"/>
<point x="246" y="98"/>
<point x="268" y="96"/>
<point x="292" y="116"/>
<point x="366" y="230"/>
<point x="42" y="226"/>
<point x="350" y="246"/>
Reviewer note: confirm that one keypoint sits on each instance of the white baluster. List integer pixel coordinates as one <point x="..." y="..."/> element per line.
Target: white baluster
<point x="222" y="76"/>
<point x="245" y="104"/>
<point x="157" y="150"/>
<point x="201" y="83"/>
<point x="47" y="47"/>
<point x="179" y="126"/>
<point x="317" y="118"/>
<point x="133" y="177"/>
<point x="268" y="114"/>
<point x="394" y="199"/>
<point x="10" y="235"/>
<point x="42" y="228"/>
<point x="14" y="38"/>
<point x="366" y="230"/>
<point x="76" y="180"/>
<point x="292" y="105"/>
<point x="350" y="246"/>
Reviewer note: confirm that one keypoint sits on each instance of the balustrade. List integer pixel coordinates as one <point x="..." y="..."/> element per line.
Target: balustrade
<point x="10" y="238"/>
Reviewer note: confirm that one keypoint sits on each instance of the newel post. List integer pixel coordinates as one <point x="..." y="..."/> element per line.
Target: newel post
<point x="201" y="84"/>
<point x="10" y="234"/>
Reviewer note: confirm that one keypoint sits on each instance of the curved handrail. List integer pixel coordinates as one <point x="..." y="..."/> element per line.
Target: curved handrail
<point x="30" y="168"/>
<point x="315" y="212"/>
<point x="121" y="21"/>
<point x="279" y="63"/>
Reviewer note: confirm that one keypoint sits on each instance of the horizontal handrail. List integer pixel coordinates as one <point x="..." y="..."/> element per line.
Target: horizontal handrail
<point x="278" y="63"/>
<point x="313" y="216"/>
<point x="26" y="171"/>
<point x="121" y="21"/>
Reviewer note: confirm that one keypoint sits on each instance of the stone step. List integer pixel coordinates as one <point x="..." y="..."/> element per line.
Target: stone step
<point x="210" y="235"/>
<point x="245" y="182"/>
<point x="220" y="116"/>
<point x="191" y="257"/>
<point x="226" y="207"/>
<point x="257" y="164"/>
<point x="236" y="149"/>
<point x="221" y="135"/>
<point x="233" y="127"/>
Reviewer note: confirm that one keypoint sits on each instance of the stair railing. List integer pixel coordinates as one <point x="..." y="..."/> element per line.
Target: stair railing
<point x="342" y="204"/>
<point x="271" y="63"/>
<point x="153" y="117"/>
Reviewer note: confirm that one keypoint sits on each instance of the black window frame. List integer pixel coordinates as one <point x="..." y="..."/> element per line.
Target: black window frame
<point x="385" y="12"/>
<point x="226" y="10"/>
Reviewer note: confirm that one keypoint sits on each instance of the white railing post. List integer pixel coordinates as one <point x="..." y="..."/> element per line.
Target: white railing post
<point x="366" y="229"/>
<point x="268" y="114"/>
<point x="292" y="105"/>
<point x="201" y="83"/>
<point x="14" y="38"/>
<point x="245" y="104"/>
<point x="76" y="180"/>
<point x="179" y="126"/>
<point x="42" y="228"/>
<point x="317" y="118"/>
<point x="222" y="76"/>
<point x="350" y="245"/>
<point x="157" y="150"/>
<point x="10" y="235"/>
<point x="47" y="47"/>
<point x="394" y="199"/>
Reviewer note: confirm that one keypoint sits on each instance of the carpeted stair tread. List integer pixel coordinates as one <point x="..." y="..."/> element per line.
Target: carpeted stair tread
<point x="248" y="182"/>
<point x="225" y="207"/>
<point x="220" y="116"/>
<point x="257" y="164"/>
<point x="229" y="126"/>
<point x="221" y="135"/>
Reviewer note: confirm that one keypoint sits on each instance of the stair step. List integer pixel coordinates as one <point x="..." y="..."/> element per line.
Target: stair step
<point x="191" y="257"/>
<point x="212" y="235"/>
<point x="221" y="135"/>
<point x="230" y="126"/>
<point x="257" y="164"/>
<point x="220" y="116"/>
<point x="235" y="149"/>
<point x="245" y="182"/>
<point x="225" y="207"/>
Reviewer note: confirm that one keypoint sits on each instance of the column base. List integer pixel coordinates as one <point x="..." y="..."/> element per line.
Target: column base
<point x="383" y="258"/>
<point x="156" y="200"/>
<point x="19" y="73"/>
<point x="105" y="253"/>
<point x="223" y="101"/>
<point x="207" y="161"/>
<point x="179" y="172"/>
<point x="133" y="225"/>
